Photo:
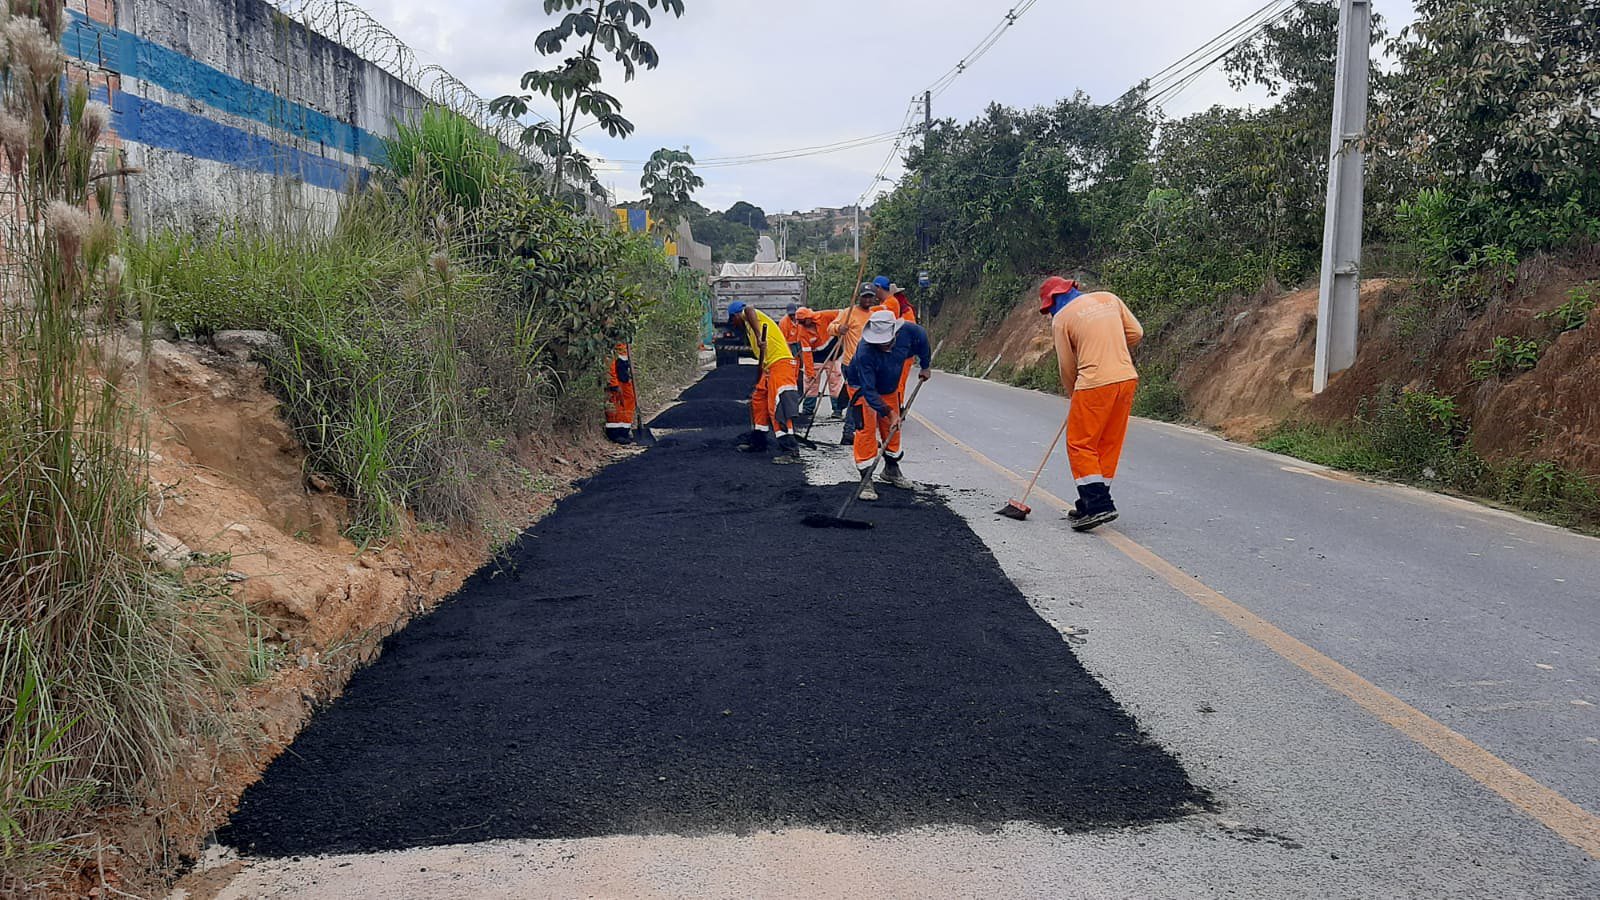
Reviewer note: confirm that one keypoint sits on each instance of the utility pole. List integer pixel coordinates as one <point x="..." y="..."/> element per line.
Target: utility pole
<point x="857" y="230"/>
<point x="922" y="226"/>
<point x="1339" y="300"/>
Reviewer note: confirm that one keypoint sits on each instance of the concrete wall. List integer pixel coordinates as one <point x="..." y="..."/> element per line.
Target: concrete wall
<point x="233" y="110"/>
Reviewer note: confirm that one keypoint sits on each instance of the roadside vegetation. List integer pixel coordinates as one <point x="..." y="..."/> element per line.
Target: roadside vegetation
<point x="103" y="654"/>
<point x="1420" y="438"/>
<point x="1484" y="160"/>
<point x="453" y="318"/>
<point x="453" y="308"/>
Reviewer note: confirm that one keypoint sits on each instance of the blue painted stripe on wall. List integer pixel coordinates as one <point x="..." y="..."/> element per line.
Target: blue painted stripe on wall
<point x="133" y="56"/>
<point x="156" y="125"/>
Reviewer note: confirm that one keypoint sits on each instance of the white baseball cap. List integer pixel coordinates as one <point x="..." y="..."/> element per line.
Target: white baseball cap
<point x="881" y="327"/>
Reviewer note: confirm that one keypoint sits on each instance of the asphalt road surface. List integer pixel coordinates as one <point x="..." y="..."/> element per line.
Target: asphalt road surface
<point x="1387" y="693"/>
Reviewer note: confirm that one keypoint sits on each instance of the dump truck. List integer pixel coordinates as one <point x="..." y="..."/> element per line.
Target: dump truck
<point x="768" y="284"/>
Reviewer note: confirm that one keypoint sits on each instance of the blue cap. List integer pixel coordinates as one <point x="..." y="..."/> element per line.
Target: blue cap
<point x="735" y="308"/>
<point x="882" y="281"/>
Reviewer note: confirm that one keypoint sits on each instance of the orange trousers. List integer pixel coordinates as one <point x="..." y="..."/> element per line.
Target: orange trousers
<point x="1097" y="424"/>
<point x="776" y="399"/>
<point x="875" y="428"/>
<point x="812" y="383"/>
<point x="620" y="404"/>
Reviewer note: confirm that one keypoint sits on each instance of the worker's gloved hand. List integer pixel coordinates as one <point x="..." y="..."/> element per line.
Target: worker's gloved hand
<point x="893" y="418"/>
<point x="925" y="374"/>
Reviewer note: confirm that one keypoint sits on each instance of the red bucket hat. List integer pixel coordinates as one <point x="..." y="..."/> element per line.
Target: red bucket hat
<point x="1052" y="286"/>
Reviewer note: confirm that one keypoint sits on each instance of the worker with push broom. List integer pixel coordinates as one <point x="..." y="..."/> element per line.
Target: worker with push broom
<point x="1094" y="337"/>
<point x="800" y="331"/>
<point x="875" y="373"/>
<point x="776" y="399"/>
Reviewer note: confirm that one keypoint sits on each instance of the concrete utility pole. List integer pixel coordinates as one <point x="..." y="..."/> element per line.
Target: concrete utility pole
<point x="1339" y="302"/>
<point x="922" y="226"/>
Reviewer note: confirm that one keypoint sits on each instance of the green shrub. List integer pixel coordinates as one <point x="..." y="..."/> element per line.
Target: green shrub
<point x="1573" y="314"/>
<point x="1158" y="396"/>
<point x="998" y="292"/>
<point x="1506" y="356"/>
<point x="1043" y="375"/>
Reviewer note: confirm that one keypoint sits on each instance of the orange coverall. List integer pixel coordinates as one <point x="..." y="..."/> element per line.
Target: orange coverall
<point x="621" y="398"/>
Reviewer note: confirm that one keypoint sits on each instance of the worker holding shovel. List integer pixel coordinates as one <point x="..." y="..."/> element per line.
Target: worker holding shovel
<point x="887" y="347"/>
<point x="776" y="399"/>
<point x="1094" y="337"/>
<point x="621" y="398"/>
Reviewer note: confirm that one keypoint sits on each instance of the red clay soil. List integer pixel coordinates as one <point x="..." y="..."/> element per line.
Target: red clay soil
<point x="1551" y="412"/>
<point x="229" y="486"/>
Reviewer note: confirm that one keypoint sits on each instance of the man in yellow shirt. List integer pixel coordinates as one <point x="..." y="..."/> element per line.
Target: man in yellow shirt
<point x="776" y="399"/>
<point x="1094" y="337"/>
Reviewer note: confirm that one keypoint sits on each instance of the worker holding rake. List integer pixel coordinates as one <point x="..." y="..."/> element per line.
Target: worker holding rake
<point x="1094" y="337"/>
<point x="799" y="329"/>
<point x="888" y="345"/>
<point x="776" y="399"/>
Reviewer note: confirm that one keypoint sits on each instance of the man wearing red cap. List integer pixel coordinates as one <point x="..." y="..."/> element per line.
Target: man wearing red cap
<point x="1094" y="336"/>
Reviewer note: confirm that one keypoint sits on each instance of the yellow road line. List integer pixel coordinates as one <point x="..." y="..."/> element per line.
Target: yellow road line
<point x="1571" y="822"/>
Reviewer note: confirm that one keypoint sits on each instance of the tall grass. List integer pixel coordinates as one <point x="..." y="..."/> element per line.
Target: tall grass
<point x="450" y="310"/>
<point x="96" y="664"/>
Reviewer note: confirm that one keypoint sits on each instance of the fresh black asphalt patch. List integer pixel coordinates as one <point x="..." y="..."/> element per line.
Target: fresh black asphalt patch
<point x="674" y="652"/>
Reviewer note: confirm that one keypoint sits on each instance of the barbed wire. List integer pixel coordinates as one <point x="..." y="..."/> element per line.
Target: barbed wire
<point x="352" y="27"/>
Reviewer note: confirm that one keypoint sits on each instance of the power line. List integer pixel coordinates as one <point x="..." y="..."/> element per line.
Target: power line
<point x="943" y="83"/>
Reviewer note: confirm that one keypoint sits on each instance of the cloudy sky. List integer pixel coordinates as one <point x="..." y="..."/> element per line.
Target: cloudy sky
<point x="743" y="77"/>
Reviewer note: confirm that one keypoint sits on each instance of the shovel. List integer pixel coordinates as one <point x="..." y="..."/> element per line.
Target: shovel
<point x="818" y="520"/>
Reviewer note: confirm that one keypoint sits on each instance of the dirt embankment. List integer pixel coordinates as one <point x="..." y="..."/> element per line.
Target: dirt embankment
<point x="234" y="507"/>
<point x="1245" y="366"/>
<point x="1258" y="372"/>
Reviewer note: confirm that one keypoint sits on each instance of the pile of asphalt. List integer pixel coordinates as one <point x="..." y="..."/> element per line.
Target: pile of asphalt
<point x="673" y="651"/>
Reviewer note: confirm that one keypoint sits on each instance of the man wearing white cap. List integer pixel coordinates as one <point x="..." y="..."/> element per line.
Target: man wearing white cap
<point x="887" y="346"/>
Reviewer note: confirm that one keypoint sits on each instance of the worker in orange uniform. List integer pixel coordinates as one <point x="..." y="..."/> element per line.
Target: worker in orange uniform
<point x="800" y="340"/>
<point x="825" y="347"/>
<point x="888" y="347"/>
<point x="776" y="399"/>
<point x="847" y="326"/>
<point x="1095" y="334"/>
<point x="812" y="339"/>
<point x="893" y="299"/>
<point x="908" y="313"/>
<point x="621" y="400"/>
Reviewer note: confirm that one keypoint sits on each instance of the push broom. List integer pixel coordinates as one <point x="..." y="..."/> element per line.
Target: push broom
<point x="1019" y="509"/>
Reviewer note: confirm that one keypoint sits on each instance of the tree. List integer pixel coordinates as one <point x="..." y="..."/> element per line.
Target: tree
<point x="1498" y="108"/>
<point x="668" y="183"/>
<point x="574" y="85"/>
<point x="747" y="214"/>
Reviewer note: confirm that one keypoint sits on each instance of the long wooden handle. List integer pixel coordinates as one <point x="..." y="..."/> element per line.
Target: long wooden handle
<point x="1039" y="471"/>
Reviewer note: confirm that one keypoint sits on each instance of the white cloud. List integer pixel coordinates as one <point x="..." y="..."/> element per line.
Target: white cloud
<point x="749" y="76"/>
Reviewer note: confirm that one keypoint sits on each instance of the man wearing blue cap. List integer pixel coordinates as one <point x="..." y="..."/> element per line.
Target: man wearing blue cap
<point x="776" y="399"/>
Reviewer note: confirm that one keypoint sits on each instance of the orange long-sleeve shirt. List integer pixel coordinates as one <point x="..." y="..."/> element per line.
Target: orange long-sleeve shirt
<point x="848" y="327"/>
<point x="1094" y="338"/>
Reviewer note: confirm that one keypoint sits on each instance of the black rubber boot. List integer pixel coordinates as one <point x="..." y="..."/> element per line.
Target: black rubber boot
<point x="1097" y="509"/>
<point x="893" y="475"/>
<point x="754" y="442"/>
<point x="788" y="451"/>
